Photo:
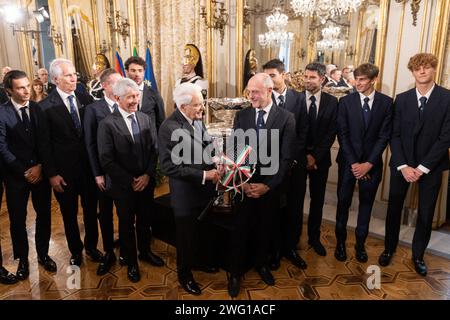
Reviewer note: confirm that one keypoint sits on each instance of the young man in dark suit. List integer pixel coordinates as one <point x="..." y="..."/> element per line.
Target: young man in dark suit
<point x="364" y="129"/>
<point x="271" y="134"/>
<point x="322" y="117"/>
<point x="192" y="184"/>
<point x="19" y="150"/>
<point x="127" y="154"/>
<point x="419" y="145"/>
<point x="289" y="219"/>
<point x="95" y="113"/>
<point x="65" y="160"/>
<point x="151" y="102"/>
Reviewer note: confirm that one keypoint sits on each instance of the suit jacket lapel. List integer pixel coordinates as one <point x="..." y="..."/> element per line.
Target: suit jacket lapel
<point x="120" y="122"/>
<point x="358" y="111"/>
<point x="15" y="119"/>
<point x="413" y="108"/>
<point x="59" y="105"/>
<point x="322" y="107"/>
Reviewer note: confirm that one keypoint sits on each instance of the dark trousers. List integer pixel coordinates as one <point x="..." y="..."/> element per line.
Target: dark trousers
<point x="106" y="219"/>
<point x="429" y="185"/>
<point x="1" y="199"/>
<point x="17" y="193"/>
<point x="194" y="242"/>
<point x="253" y="222"/>
<point x="134" y="208"/>
<point x="84" y="187"/>
<point x="288" y="220"/>
<point x="367" y="192"/>
<point x="317" y="187"/>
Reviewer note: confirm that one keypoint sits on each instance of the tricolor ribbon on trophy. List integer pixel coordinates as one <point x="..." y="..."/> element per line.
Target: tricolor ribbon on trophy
<point x="236" y="173"/>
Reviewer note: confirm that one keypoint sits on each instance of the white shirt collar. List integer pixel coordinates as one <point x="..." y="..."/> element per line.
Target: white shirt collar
<point x="64" y="96"/>
<point x="141" y="86"/>
<point x="266" y="109"/>
<point x="18" y="106"/>
<point x="125" y="114"/>
<point x="277" y="95"/>
<point x="110" y="102"/>
<point x="189" y="120"/>
<point x="427" y="95"/>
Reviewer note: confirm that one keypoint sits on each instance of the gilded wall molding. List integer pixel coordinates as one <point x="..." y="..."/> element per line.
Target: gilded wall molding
<point x="439" y="37"/>
<point x="381" y="40"/>
<point x="239" y="46"/>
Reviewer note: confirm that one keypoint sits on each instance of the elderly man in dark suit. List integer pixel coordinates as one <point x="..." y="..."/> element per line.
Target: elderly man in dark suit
<point x="65" y="160"/>
<point x="290" y="219"/>
<point x="419" y="145"/>
<point x="94" y="114"/>
<point x="271" y="134"/>
<point x="19" y="150"/>
<point x="322" y="117"/>
<point x="151" y="102"/>
<point x="127" y="153"/>
<point x="364" y="129"/>
<point x="191" y="183"/>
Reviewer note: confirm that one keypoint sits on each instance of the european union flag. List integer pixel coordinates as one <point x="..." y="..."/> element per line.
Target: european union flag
<point x="149" y="76"/>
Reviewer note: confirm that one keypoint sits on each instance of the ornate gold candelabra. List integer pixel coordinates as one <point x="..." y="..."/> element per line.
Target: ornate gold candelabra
<point x="120" y="25"/>
<point x="219" y="18"/>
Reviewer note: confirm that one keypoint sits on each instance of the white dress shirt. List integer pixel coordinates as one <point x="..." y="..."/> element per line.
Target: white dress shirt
<point x="277" y="96"/>
<point x="370" y="96"/>
<point x="111" y="104"/>
<point x="65" y="98"/>
<point x="308" y="99"/>
<point x="266" y="109"/>
<point x="18" y="107"/>
<point x="125" y="116"/>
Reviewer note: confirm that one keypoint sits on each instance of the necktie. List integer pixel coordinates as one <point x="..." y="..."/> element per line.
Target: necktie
<point x="74" y="115"/>
<point x="25" y="118"/>
<point x="260" y="120"/>
<point x="281" y="103"/>
<point x="366" y="112"/>
<point x="423" y="101"/>
<point x="115" y="107"/>
<point x="134" y="128"/>
<point x="312" y="117"/>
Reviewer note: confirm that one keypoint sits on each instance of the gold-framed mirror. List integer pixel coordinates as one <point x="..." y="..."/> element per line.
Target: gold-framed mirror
<point x="358" y="36"/>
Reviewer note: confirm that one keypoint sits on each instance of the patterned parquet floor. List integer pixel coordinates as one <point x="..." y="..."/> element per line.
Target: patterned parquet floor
<point x="325" y="277"/>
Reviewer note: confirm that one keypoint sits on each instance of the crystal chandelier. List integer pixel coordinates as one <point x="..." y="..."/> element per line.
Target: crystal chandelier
<point x="324" y="9"/>
<point x="330" y="39"/>
<point x="277" y="35"/>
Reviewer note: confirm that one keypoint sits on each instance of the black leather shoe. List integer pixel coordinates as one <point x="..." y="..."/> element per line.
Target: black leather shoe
<point x="47" y="263"/>
<point x="133" y="273"/>
<point x="7" y="277"/>
<point x="190" y="286"/>
<point x="385" y="258"/>
<point x="340" y="253"/>
<point x="107" y="262"/>
<point x="361" y="254"/>
<point x="209" y="269"/>
<point x="23" y="270"/>
<point x="420" y="267"/>
<point x="151" y="258"/>
<point x="274" y="263"/>
<point x="94" y="254"/>
<point x="234" y="285"/>
<point x="123" y="261"/>
<point x="266" y="275"/>
<point x="318" y="248"/>
<point x="296" y="260"/>
<point x="75" y="260"/>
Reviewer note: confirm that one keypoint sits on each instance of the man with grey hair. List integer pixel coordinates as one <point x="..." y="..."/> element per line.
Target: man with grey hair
<point x="43" y="76"/>
<point x="65" y="160"/>
<point x="128" y="155"/>
<point x="191" y="183"/>
<point x="262" y="192"/>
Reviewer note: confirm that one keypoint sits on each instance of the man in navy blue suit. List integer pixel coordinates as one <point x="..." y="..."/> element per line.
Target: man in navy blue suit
<point x="419" y="145"/>
<point x="364" y="129"/>
<point x="22" y="158"/>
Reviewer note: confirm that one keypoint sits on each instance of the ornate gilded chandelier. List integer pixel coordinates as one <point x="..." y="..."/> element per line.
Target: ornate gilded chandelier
<point x="277" y="35"/>
<point x="324" y="9"/>
<point x="330" y="39"/>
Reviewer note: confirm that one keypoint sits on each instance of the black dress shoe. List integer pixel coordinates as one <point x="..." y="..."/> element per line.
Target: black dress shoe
<point x="23" y="270"/>
<point x="234" y="285"/>
<point x="94" y="254"/>
<point x="151" y="258"/>
<point x="7" y="277"/>
<point x="340" y="253"/>
<point x="274" y="263"/>
<point x="296" y="260"/>
<point x="47" y="263"/>
<point x="385" y="258"/>
<point x="361" y="254"/>
<point x="133" y="273"/>
<point x="108" y="260"/>
<point x="209" y="269"/>
<point x="420" y="267"/>
<point x="75" y="260"/>
<point x="123" y="261"/>
<point x="319" y="248"/>
<point x="266" y="275"/>
<point x="190" y="286"/>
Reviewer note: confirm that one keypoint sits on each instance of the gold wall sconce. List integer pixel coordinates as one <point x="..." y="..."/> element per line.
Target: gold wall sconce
<point x="218" y="18"/>
<point x="119" y="24"/>
<point x="56" y="38"/>
<point x="415" y="7"/>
